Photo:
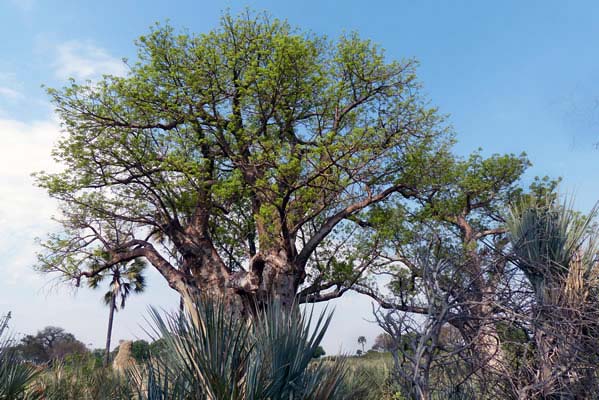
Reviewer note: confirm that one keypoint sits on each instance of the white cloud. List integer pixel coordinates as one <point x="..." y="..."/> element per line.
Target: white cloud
<point x="83" y="60"/>
<point x="26" y="209"/>
<point x="25" y="213"/>
<point x="9" y="93"/>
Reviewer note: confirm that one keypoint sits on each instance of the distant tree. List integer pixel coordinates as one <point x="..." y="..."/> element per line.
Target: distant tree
<point x="359" y="352"/>
<point x="318" y="352"/>
<point x="383" y="342"/>
<point x="49" y="344"/>
<point x="64" y="349"/>
<point x="157" y="347"/>
<point x="140" y="350"/>
<point x="125" y="278"/>
<point x="362" y="341"/>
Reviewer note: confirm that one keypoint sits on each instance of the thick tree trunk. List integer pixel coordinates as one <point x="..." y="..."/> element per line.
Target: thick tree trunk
<point x="546" y="366"/>
<point x="109" y="333"/>
<point x="480" y="331"/>
<point x="482" y="334"/>
<point x="270" y="277"/>
<point x="488" y="350"/>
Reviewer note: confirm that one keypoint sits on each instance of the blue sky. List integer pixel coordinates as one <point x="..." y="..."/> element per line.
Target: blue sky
<point x="513" y="76"/>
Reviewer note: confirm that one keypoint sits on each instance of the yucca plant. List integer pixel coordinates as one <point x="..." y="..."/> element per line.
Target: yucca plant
<point x="549" y="240"/>
<point x="217" y="355"/>
<point x="16" y="377"/>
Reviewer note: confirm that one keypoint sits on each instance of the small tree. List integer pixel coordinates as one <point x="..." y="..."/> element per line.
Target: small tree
<point x="383" y="342"/>
<point x="319" y="352"/>
<point x="125" y="279"/>
<point x="362" y="342"/>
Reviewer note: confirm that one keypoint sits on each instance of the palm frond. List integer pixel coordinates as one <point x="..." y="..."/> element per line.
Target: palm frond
<point x="16" y="377"/>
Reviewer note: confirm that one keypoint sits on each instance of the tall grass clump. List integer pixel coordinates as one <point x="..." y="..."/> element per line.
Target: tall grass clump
<point x="81" y="379"/>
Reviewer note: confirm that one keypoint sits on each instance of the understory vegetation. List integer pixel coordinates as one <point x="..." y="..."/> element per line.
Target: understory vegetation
<point x="209" y="354"/>
<point x="545" y="341"/>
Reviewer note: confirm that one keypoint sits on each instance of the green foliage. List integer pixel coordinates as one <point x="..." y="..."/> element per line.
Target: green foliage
<point x="140" y="350"/>
<point x="319" y="352"/>
<point x="266" y="128"/>
<point x="50" y="344"/>
<point x="158" y="347"/>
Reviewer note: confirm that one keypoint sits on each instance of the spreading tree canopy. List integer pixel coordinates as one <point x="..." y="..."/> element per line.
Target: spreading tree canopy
<point x="240" y="161"/>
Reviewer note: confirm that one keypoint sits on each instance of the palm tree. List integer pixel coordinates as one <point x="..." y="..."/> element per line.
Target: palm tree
<point x="548" y="240"/>
<point x="556" y="248"/>
<point x="362" y="341"/>
<point x="125" y="278"/>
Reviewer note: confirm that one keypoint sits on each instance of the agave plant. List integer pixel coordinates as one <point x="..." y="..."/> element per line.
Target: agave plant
<point x="15" y="376"/>
<point x="217" y="355"/>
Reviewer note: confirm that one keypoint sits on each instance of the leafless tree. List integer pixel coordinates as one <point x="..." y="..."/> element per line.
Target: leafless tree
<point x="425" y="346"/>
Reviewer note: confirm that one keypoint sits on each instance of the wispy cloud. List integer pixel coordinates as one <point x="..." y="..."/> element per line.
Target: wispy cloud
<point x="10" y="86"/>
<point x="23" y="5"/>
<point x="83" y="60"/>
<point x="9" y="93"/>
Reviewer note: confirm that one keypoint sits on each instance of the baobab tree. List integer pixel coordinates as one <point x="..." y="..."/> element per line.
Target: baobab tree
<point x="240" y="161"/>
